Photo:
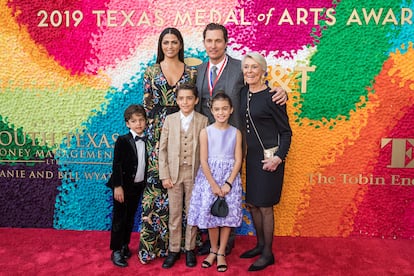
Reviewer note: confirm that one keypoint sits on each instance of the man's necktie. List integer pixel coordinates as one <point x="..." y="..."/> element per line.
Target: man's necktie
<point x="213" y="73"/>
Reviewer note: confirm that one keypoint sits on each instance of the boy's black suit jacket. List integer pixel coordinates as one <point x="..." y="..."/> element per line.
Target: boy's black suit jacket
<point x="125" y="163"/>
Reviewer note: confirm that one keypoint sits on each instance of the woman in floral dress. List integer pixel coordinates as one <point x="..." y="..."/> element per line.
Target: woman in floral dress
<point x="160" y="83"/>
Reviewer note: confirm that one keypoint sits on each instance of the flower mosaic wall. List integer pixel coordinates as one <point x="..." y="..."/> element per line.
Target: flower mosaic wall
<point x="69" y="69"/>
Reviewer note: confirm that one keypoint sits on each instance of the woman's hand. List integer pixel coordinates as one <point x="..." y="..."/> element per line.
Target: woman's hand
<point x="216" y="190"/>
<point x="225" y="189"/>
<point x="271" y="164"/>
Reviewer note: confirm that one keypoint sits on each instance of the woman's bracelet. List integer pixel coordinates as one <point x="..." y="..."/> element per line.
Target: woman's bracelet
<point x="228" y="183"/>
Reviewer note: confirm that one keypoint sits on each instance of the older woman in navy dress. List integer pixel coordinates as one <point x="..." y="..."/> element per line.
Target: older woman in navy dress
<point x="266" y="126"/>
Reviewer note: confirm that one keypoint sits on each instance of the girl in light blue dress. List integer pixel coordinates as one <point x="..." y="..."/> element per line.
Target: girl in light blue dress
<point x="219" y="175"/>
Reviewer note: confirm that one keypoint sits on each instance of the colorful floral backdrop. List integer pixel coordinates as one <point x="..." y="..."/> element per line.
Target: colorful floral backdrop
<point x="69" y="68"/>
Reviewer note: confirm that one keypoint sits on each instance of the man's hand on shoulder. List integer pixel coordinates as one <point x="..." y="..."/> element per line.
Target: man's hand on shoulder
<point x="280" y="96"/>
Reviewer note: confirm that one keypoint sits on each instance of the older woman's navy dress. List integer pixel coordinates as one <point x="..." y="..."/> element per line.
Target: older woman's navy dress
<point x="263" y="188"/>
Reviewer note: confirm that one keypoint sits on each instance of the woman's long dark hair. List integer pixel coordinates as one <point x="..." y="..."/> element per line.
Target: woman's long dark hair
<point x="173" y="31"/>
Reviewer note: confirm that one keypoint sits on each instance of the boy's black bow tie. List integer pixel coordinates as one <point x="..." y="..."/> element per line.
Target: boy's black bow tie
<point x="142" y="138"/>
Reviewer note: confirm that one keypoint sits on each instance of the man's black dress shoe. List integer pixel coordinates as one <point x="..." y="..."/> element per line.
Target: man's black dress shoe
<point x="126" y="253"/>
<point x="204" y="249"/>
<point x="171" y="259"/>
<point x="270" y="261"/>
<point x="251" y="253"/>
<point x="229" y="246"/>
<point x="118" y="259"/>
<point x="190" y="259"/>
<point x="231" y="242"/>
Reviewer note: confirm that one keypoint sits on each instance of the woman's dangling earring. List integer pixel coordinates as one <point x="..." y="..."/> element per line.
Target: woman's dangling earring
<point x="262" y="79"/>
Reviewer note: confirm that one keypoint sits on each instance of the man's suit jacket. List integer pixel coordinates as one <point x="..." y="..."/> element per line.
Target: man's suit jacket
<point x="170" y="141"/>
<point x="125" y="163"/>
<point x="231" y="82"/>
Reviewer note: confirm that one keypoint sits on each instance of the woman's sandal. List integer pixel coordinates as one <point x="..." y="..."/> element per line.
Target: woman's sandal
<point x="222" y="267"/>
<point x="207" y="264"/>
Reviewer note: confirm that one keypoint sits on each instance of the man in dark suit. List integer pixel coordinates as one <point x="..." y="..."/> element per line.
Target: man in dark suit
<point x="222" y="72"/>
<point x="127" y="181"/>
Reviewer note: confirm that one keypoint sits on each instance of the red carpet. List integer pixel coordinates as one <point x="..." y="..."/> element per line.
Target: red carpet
<point x="59" y="252"/>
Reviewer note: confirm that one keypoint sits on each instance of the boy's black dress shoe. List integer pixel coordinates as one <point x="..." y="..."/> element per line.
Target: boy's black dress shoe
<point x="171" y="259"/>
<point x="118" y="259"/>
<point x="126" y="253"/>
<point x="190" y="259"/>
<point x="270" y="261"/>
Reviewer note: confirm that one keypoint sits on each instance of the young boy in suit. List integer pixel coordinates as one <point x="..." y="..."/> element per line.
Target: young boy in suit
<point x="179" y="159"/>
<point x="127" y="181"/>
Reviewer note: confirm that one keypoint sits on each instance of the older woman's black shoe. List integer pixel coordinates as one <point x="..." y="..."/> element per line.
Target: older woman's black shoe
<point x="255" y="267"/>
<point x="251" y="253"/>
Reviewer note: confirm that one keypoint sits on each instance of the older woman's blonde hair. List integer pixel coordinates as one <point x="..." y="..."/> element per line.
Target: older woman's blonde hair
<point x="257" y="58"/>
